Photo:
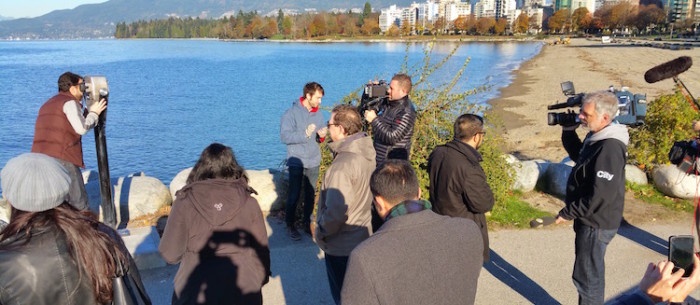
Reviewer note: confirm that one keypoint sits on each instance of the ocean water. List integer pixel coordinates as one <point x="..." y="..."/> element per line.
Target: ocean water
<point x="169" y="99"/>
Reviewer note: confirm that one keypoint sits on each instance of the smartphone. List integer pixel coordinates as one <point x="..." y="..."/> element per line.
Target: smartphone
<point x="680" y="253"/>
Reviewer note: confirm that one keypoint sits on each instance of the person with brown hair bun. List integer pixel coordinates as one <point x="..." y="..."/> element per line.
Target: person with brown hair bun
<point x="50" y="252"/>
<point x="217" y="233"/>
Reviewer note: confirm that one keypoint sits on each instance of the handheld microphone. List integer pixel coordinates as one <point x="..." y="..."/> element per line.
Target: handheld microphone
<point x="668" y="69"/>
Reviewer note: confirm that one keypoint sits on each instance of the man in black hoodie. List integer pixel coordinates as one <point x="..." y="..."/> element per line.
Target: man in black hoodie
<point x="595" y="190"/>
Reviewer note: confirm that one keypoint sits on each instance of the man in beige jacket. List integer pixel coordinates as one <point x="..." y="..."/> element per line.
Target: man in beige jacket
<point x="343" y="217"/>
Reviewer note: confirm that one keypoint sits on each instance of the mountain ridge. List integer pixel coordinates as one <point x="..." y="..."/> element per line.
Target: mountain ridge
<point x="99" y="20"/>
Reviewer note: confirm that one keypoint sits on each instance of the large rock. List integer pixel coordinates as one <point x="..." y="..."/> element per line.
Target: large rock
<point x="554" y="179"/>
<point x="179" y="181"/>
<point x="635" y="175"/>
<point x="134" y="196"/>
<point x="526" y="173"/>
<point x="673" y="182"/>
<point x="270" y="184"/>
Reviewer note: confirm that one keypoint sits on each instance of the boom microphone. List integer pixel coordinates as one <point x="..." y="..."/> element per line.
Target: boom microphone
<point x="668" y="69"/>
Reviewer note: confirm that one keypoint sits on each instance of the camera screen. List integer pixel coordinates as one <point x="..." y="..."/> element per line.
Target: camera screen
<point x="681" y="253"/>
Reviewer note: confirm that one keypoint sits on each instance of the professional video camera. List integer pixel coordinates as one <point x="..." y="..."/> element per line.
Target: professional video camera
<point x="373" y="97"/>
<point x="633" y="107"/>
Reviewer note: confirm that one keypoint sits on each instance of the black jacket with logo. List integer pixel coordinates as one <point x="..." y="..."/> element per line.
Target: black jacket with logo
<point x="595" y="190"/>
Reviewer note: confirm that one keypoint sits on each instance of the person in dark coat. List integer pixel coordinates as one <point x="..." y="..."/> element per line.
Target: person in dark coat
<point x="216" y="232"/>
<point x="458" y="185"/>
<point x="50" y="252"/>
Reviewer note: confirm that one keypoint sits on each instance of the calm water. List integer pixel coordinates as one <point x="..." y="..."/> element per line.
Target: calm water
<point x="171" y="98"/>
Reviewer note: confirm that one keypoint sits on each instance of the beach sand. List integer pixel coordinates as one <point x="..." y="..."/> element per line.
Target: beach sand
<point x="591" y="66"/>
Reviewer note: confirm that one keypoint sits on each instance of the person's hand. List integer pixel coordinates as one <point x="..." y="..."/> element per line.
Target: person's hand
<point x="370" y="115"/>
<point x="322" y="132"/>
<point x="560" y="220"/>
<point x="99" y="106"/>
<point x="660" y="282"/>
<point x="687" y="285"/>
<point x="310" y="130"/>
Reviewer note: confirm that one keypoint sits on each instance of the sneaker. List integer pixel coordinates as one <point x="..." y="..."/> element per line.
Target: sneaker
<point x="293" y="233"/>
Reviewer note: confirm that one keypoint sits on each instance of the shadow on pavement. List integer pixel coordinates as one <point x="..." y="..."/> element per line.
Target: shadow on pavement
<point x="518" y="281"/>
<point x="298" y="266"/>
<point x="643" y="237"/>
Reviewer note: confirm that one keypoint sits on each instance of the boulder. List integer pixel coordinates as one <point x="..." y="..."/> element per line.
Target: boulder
<point x="133" y="196"/>
<point x="526" y="173"/>
<point x="271" y="185"/>
<point x="673" y="182"/>
<point x="554" y="179"/>
<point x="179" y="181"/>
<point x="635" y="175"/>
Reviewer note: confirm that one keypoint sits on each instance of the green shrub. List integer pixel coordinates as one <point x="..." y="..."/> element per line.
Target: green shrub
<point x="669" y="119"/>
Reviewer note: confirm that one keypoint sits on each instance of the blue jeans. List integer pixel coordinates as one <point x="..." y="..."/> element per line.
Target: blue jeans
<point x="335" y="268"/>
<point x="589" y="266"/>
<point x="301" y="179"/>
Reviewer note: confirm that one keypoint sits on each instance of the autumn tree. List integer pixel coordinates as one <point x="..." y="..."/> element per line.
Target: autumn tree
<point x="393" y="31"/>
<point x="648" y="15"/>
<point x="558" y="21"/>
<point x="499" y="27"/>
<point x="521" y="24"/>
<point x="405" y="27"/>
<point x="460" y="24"/>
<point x="270" y="29"/>
<point x="318" y="26"/>
<point x="484" y="25"/>
<point x="580" y="19"/>
<point x="370" y="27"/>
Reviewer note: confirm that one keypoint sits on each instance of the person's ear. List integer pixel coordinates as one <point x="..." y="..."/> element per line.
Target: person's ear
<point x="419" y="192"/>
<point x="382" y="206"/>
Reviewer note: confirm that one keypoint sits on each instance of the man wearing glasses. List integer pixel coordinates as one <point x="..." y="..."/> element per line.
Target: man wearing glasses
<point x="343" y="218"/>
<point x="595" y="190"/>
<point x="61" y="122"/>
<point x="458" y="185"/>
<point x="301" y="129"/>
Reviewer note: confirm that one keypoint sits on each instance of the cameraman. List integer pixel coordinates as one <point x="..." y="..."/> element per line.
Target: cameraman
<point x="393" y="128"/>
<point x="595" y="190"/>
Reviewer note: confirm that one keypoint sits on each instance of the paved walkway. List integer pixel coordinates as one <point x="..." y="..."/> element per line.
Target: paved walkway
<point x="528" y="266"/>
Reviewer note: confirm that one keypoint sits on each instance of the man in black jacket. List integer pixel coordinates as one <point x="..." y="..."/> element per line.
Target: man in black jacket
<point x="458" y="185"/>
<point x="393" y="126"/>
<point x="595" y="190"/>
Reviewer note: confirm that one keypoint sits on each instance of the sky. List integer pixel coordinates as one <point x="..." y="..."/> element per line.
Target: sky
<point x="34" y="8"/>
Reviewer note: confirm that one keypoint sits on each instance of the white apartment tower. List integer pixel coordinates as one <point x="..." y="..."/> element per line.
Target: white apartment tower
<point x="390" y="16"/>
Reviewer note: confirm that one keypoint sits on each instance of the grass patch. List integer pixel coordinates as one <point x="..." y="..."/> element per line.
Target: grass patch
<point x="649" y="194"/>
<point x="515" y="213"/>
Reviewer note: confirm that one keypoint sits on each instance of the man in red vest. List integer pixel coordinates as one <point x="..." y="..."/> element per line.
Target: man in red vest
<point x="59" y="127"/>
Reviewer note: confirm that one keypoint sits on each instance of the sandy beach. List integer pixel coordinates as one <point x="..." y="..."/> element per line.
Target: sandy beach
<point x="591" y="66"/>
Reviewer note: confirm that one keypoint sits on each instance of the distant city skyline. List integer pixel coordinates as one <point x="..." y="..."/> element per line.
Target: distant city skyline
<point x="35" y="8"/>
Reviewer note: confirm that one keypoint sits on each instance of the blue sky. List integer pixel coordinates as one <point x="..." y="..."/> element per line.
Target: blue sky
<point x="34" y="8"/>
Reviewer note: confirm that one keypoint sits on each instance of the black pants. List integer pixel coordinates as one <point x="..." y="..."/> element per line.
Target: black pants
<point x="335" y="268"/>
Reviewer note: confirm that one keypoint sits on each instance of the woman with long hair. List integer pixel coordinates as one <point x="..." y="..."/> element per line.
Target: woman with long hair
<point x="51" y="253"/>
<point x="216" y="232"/>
